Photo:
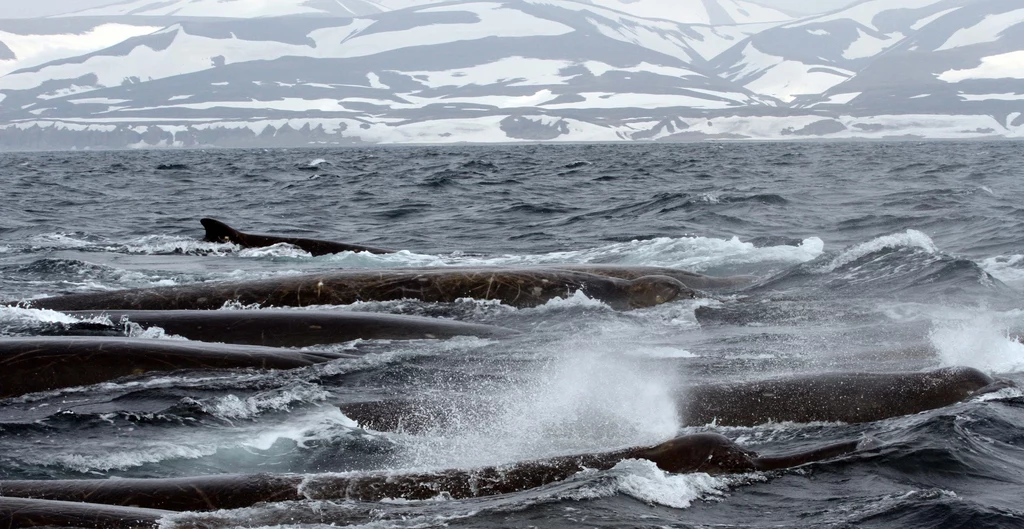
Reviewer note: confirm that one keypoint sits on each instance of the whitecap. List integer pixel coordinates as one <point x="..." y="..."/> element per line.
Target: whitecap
<point x="643" y="480"/>
<point x="1007" y="268"/>
<point x="907" y="239"/>
<point x="688" y="253"/>
<point x="281" y="249"/>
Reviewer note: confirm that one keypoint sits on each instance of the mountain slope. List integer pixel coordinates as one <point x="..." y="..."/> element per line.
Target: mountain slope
<point x="501" y="70"/>
<point x="711" y="12"/>
<point x="969" y="55"/>
<point x="716" y="12"/>
<point x="458" y="59"/>
<point x="27" y="43"/>
<point x="812" y="55"/>
<point x="232" y="8"/>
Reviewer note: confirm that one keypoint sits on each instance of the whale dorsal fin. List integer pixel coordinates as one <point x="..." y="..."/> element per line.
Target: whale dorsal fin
<point x="217" y="231"/>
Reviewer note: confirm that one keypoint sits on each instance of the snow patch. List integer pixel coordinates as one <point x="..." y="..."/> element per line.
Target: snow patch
<point x="990" y="29"/>
<point x="925" y="21"/>
<point x="34" y="50"/>
<point x="869" y="46"/>
<point x="1003" y="66"/>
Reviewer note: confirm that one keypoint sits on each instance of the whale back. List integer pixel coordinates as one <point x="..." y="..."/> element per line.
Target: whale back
<point x="833" y="397"/>
<point x="217" y="231"/>
<point x="29" y="365"/>
<point x="206" y="493"/>
<point x="704" y="452"/>
<point x="19" y="512"/>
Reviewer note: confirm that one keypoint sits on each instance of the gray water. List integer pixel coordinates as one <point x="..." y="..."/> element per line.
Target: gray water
<point x="869" y="257"/>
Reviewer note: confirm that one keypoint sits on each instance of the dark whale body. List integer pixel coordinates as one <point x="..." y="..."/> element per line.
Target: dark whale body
<point x="29" y="365"/>
<point x="628" y="272"/>
<point x="217" y="231"/>
<point x="842" y="397"/>
<point x="518" y="288"/>
<point x="16" y="513"/>
<point x="294" y="328"/>
<point x="830" y="397"/>
<point x="710" y="453"/>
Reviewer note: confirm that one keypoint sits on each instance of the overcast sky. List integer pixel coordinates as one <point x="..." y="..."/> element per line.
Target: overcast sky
<point x="39" y="8"/>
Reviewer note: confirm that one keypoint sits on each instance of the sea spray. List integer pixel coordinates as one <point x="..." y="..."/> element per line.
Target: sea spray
<point x="589" y="394"/>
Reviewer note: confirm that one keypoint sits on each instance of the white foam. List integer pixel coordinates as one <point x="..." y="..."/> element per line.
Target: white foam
<point x="123" y="453"/>
<point x="663" y="352"/>
<point x="123" y="459"/>
<point x="164" y="244"/>
<point x="402" y="258"/>
<point x="230" y="407"/>
<point x="577" y="299"/>
<point x="907" y="239"/>
<point x="303" y="430"/>
<point x="60" y="240"/>
<point x="134" y="330"/>
<point x="1007" y="268"/>
<point x="979" y="339"/>
<point x="687" y="253"/>
<point x="646" y="482"/>
<point x="14" y="315"/>
<point x="281" y="249"/>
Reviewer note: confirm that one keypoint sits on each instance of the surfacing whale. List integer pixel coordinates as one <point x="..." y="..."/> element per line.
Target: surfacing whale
<point x="692" y="280"/>
<point x="515" y="287"/>
<point x="830" y="397"/>
<point x="833" y="397"/>
<point x="291" y="328"/>
<point x="217" y="231"/>
<point x="29" y="365"/>
<point x="16" y="513"/>
<point x="705" y="452"/>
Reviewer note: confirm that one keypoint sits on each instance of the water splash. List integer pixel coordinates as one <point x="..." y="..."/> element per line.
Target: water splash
<point x="586" y="396"/>
<point x="980" y="339"/>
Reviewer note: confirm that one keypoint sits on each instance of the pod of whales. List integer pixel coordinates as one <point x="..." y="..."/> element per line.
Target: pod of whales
<point x="217" y="231"/>
<point x="29" y="365"/>
<point x="706" y="452"/>
<point x="294" y="328"/>
<point x="515" y="287"/>
<point x="830" y="397"/>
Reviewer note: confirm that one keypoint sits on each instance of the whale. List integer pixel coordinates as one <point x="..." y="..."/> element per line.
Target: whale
<point x="514" y="287"/>
<point x="217" y="231"/>
<point x="30" y="365"/>
<point x="692" y="280"/>
<point x="822" y="397"/>
<point x="16" y="513"/>
<point x="832" y="397"/>
<point x="287" y="328"/>
<point x="704" y="452"/>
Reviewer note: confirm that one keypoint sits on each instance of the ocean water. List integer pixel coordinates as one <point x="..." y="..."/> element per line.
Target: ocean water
<point x="872" y="257"/>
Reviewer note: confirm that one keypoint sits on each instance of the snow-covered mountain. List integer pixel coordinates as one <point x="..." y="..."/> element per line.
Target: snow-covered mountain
<point x="717" y="12"/>
<point x="505" y="70"/>
<point x="232" y="8"/>
<point x="25" y="43"/>
<point x="711" y="12"/>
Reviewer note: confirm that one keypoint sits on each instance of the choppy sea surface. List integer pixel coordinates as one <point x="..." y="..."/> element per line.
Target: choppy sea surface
<point x="873" y="257"/>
